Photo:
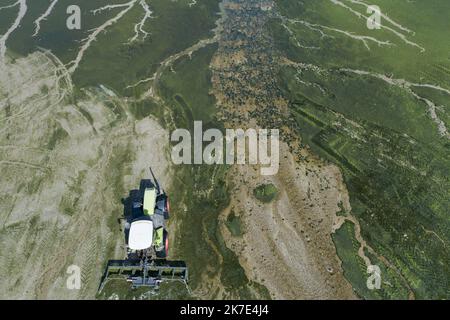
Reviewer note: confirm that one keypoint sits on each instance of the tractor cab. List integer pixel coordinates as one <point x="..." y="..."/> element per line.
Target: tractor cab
<point x="148" y="228"/>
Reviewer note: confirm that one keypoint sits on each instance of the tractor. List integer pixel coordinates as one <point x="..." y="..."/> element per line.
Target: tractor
<point x="146" y="227"/>
<point x="146" y="240"/>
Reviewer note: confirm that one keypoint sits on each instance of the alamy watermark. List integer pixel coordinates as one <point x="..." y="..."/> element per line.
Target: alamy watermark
<point x="374" y="280"/>
<point x="235" y="147"/>
<point x="73" y="281"/>
<point x="73" y="22"/>
<point x="374" y="20"/>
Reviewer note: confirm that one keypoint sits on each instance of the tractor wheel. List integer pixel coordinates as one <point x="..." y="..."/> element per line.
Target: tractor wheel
<point x="167" y="209"/>
<point x="164" y="252"/>
<point x="166" y="242"/>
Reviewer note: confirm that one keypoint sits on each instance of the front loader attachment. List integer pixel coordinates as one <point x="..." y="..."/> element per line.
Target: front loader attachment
<point x="145" y="273"/>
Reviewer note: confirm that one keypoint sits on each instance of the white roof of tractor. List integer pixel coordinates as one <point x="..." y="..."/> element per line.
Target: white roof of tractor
<point x="141" y="235"/>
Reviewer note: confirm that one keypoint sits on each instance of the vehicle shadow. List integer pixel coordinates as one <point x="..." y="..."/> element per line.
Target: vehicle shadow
<point x="132" y="205"/>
